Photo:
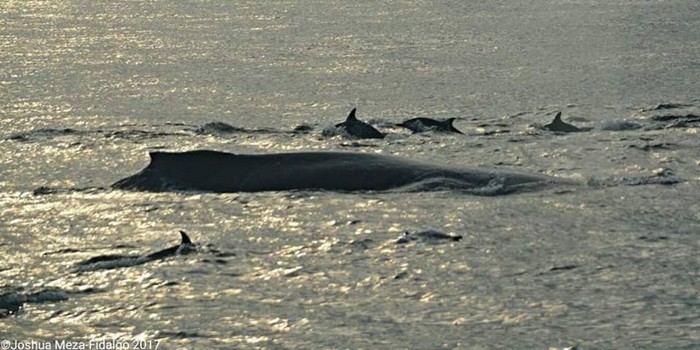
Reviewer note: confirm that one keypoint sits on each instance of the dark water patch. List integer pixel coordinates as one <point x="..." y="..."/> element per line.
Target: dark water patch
<point x="124" y="246"/>
<point x="17" y="137"/>
<point x="497" y="186"/>
<point x="653" y="239"/>
<point x="660" y="176"/>
<point x="302" y="129"/>
<point x="231" y="274"/>
<point x="87" y="290"/>
<point x="210" y="249"/>
<point x="361" y="244"/>
<point x="182" y="334"/>
<point x="558" y="269"/>
<point x="654" y="146"/>
<point x="220" y="254"/>
<point x="126" y="134"/>
<point x="344" y="223"/>
<point x="563" y="268"/>
<point x="678" y="120"/>
<point x="494" y="132"/>
<point x="512" y="116"/>
<point x="356" y="144"/>
<point x="495" y="128"/>
<point x="666" y="106"/>
<point x="139" y="134"/>
<point x="62" y="251"/>
<point x="215" y="261"/>
<point x="39" y="191"/>
<point x="48" y="190"/>
<point x="43" y="133"/>
<point x="619" y="125"/>
<point x="401" y="275"/>
<point x="493" y="125"/>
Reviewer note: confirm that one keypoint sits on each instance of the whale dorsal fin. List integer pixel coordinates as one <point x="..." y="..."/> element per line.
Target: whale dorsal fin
<point x="185" y="238"/>
<point x="159" y="157"/>
<point x="351" y="117"/>
<point x="155" y="155"/>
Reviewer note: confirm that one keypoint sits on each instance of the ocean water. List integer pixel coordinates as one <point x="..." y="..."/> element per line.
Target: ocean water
<point x="87" y="88"/>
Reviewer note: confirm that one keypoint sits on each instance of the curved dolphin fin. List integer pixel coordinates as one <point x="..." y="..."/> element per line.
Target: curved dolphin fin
<point x="557" y="119"/>
<point x="559" y="125"/>
<point x="185" y="238"/>
<point x="351" y="117"/>
<point x="447" y="123"/>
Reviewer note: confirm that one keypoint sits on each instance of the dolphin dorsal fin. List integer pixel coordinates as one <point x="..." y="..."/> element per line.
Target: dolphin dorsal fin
<point x="449" y="121"/>
<point x="185" y="238"/>
<point x="557" y="119"/>
<point x="351" y="117"/>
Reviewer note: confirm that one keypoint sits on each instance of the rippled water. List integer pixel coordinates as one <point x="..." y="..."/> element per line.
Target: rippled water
<point x="88" y="88"/>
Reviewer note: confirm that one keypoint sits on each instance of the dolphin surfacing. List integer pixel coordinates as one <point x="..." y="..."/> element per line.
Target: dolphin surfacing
<point x="220" y="172"/>
<point x="559" y="125"/>
<point x="359" y="129"/>
<point x="418" y="125"/>
<point x="106" y="262"/>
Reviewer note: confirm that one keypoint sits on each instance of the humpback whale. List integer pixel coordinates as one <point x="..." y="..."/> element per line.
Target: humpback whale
<point x="104" y="262"/>
<point x="426" y="124"/>
<point x="558" y="125"/>
<point x="213" y="171"/>
<point x="359" y="129"/>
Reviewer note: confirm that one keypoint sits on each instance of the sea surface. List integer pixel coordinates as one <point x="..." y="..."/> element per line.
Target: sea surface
<point x="88" y="88"/>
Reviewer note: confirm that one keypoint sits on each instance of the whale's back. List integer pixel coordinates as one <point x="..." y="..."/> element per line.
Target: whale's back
<point x="214" y="171"/>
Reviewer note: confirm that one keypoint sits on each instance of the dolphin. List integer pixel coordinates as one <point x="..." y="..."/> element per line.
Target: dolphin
<point x="113" y="261"/>
<point x="558" y="125"/>
<point x="12" y="301"/>
<point x="359" y="129"/>
<point x="426" y="124"/>
<point x="218" y="172"/>
<point x="429" y="236"/>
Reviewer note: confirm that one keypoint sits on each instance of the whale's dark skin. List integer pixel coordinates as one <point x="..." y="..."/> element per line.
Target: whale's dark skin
<point x="418" y="125"/>
<point x="359" y="129"/>
<point x="213" y="171"/>
<point x="113" y="261"/>
<point x="560" y="126"/>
